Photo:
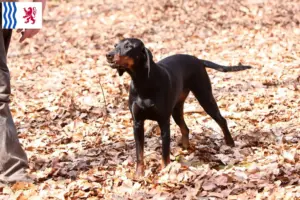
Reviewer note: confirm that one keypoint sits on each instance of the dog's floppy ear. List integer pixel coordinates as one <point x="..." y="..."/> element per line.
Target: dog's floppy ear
<point x="121" y="72"/>
<point x="149" y="57"/>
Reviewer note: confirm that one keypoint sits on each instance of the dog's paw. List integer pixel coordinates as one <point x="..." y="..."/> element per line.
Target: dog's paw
<point x="140" y="171"/>
<point x="184" y="143"/>
<point x="230" y="142"/>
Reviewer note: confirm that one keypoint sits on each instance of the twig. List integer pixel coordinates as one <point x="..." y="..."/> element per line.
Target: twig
<point x="105" y="105"/>
<point x="194" y="111"/>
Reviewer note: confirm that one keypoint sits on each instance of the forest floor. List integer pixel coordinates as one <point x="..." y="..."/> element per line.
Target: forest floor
<point x="80" y="145"/>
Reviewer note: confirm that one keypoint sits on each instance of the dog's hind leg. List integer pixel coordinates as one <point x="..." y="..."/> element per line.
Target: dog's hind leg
<point x="203" y="94"/>
<point x="179" y="119"/>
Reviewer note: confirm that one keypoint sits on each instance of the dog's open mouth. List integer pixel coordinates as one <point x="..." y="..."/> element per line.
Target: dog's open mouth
<point x="115" y="65"/>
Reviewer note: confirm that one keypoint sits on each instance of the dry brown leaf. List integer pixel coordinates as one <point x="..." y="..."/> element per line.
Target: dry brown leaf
<point x="208" y="185"/>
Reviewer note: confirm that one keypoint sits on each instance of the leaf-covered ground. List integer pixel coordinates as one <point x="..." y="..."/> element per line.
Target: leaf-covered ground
<point x="59" y="109"/>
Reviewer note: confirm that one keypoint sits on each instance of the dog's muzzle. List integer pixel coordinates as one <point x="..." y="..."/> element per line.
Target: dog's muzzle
<point x="114" y="61"/>
<point x="110" y="59"/>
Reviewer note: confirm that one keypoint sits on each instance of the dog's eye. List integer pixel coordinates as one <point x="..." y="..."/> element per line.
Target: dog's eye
<point x="128" y="46"/>
<point x="115" y="45"/>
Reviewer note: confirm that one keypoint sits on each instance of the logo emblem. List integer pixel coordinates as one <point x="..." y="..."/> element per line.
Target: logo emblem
<point x="22" y="15"/>
<point x="30" y="14"/>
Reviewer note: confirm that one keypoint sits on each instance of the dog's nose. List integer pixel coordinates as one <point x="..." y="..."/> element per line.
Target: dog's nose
<point x="109" y="56"/>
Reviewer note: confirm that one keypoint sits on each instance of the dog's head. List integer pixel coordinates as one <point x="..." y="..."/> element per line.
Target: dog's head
<point x="129" y="54"/>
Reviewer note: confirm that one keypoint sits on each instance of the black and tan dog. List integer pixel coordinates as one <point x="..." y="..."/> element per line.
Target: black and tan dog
<point x="158" y="90"/>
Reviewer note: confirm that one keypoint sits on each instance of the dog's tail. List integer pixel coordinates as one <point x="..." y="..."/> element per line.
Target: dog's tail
<point x="222" y="68"/>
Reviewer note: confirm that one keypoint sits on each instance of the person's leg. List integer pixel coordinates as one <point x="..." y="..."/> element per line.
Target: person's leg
<point x="13" y="160"/>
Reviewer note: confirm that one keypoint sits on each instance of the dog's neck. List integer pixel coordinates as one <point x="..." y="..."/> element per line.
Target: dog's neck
<point x="140" y="73"/>
<point x="143" y="79"/>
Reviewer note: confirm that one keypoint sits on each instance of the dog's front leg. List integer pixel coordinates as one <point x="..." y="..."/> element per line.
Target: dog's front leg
<point x="139" y="144"/>
<point x="165" y="136"/>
